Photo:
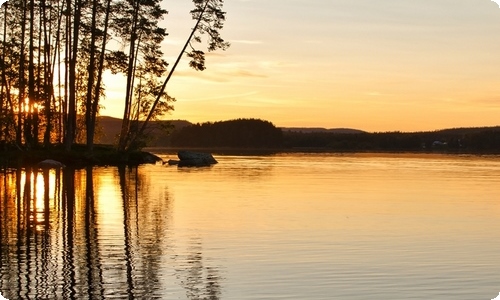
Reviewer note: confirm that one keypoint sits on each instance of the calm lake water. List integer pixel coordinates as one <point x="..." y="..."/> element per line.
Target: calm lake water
<point x="287" y="226"/>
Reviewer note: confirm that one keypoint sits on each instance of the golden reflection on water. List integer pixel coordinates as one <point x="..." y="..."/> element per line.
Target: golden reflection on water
<point x="109" y="204"/>
<point x="94" y="233"/>
<point x="288" y="226"/>
<point x="350" y="216"/>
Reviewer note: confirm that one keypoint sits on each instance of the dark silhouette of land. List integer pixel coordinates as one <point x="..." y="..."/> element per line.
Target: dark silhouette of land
<point x="251" y="136"/>
<point x="260" y="134"/>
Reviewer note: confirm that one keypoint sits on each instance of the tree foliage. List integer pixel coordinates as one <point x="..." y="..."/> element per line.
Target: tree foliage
<point x="209" y="20"/>
<point x="53" y="54"/>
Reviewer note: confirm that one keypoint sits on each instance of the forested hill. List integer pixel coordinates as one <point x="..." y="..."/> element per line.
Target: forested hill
<point x="254" y="133"/>
<point x="472" y="140"/>
<point x="240" y="133"/>
<point x="109" y="129"/>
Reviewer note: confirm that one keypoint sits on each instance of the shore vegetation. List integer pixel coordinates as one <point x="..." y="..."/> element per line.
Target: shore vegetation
<point x="53" y="57"/>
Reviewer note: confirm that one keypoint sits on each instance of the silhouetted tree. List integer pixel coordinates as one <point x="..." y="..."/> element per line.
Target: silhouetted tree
<point x="53" y="54"/>
<point x="209" y="20"/>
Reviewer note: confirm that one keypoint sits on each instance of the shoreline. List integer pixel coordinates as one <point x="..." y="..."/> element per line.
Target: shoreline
<point x="271" y="151"/>
<point x="107" y="155"/>
<point x="78" y="157"/>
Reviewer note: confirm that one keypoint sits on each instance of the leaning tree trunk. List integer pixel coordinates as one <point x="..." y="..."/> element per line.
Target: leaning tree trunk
<point x="124" y="132"/>
<point x="157" y="100"/>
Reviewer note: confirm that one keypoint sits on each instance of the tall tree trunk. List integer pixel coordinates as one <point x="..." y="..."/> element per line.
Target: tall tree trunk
<point x="3" y="83"/>
<point x="133" y="121"/>
<point x="48" y="89"/>
<point x="39" y="86"/>
<point x="67" y="59"/>
<point x="61" y="99"/>
<point x="90" y="82"/>
<point x="22" y="83"/>
<point x="28" y="127"/>
<point x="71" y="123"/>
<point x="124" y="133"/>
<point x="97" y="90"/>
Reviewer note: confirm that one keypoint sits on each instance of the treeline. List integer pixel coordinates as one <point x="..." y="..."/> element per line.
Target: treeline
<point x="54" y="53"/>
<point x="454" y="140"/>
<point x="259" y="134"/>
<point x="240" y="133"/>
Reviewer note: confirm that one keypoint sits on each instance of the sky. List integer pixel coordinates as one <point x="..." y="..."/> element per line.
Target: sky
<point x="385" y="65"/>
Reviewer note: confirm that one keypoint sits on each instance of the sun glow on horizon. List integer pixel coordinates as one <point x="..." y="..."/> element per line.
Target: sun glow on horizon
<point x="370" y="66"/>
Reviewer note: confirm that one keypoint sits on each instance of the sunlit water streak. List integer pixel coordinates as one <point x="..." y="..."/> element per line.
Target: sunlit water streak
<point x="289" y="226"/>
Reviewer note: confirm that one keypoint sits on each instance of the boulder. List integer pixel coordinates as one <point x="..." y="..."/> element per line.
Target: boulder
<point x="150" y="158"/>
<point x="195" y="159"/>
<point x="50" y="164"/>
<point x="142" y="157"/>
<point x="173" y="162"/>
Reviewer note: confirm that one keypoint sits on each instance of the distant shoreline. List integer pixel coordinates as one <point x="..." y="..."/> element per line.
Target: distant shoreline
<point x="272" y="151"/>
<point x="107" y="156"/>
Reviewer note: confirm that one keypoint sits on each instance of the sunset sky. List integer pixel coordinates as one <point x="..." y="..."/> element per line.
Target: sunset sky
<point x="373" y="65"/>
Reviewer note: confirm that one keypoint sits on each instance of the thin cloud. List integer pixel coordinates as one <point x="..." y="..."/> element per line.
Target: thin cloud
<point x="215" y="54"/>
<point x="245" y="73"/>
<point x="230" y="96"/>
<point x="489" y="102"/>
<point x="248" y="42"/>
<point x="219" y="77"/>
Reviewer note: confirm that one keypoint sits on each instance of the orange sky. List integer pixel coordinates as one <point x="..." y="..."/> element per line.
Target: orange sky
<point x="373" y="65"/>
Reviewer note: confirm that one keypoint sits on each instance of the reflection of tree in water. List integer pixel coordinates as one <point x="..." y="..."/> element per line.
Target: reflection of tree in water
<point x="93" y="259"/>
<point x="26" y="259"/>
<point x="145" y="223"/>
<point x="199" y="281"/>
<point x="48" y="235"/>
<point x="52" y="242"/>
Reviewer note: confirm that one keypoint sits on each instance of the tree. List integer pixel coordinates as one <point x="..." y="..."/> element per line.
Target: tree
<point x="22" y="81"/>
<point x="54" y="53"/>
<point x="31" y="140"/>
<point x="209" y="20"/>
<point x="4" y="92"/>
<point x="93" y="99"/>
<point x="73" y="54"/>
<point x="138" y="28"/>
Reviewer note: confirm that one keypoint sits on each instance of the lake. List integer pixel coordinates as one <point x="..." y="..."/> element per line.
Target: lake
<point x="284" y="226"/>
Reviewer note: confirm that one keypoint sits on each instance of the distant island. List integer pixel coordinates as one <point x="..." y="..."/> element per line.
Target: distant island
<point x="261" y="134"/>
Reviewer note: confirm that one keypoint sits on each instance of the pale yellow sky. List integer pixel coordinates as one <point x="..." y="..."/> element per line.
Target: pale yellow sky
<point x="373" y="65"/>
